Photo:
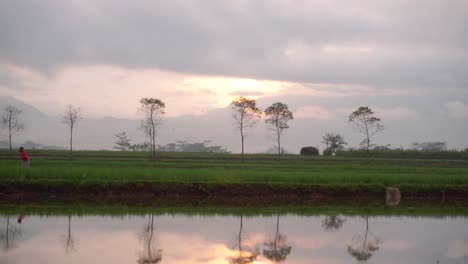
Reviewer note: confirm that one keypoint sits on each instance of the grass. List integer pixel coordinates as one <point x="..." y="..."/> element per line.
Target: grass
<point x="405" y="153"/>
<point x="111" y="166"/>
<point x="349" y="209"/>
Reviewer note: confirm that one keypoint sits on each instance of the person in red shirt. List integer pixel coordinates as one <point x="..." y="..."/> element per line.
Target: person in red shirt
<point x="24" y="157"/>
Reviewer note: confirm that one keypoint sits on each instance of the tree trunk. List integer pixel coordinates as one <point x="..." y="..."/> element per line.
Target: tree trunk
<point x="154" y="142"/>
<point x="153" y="136"/>
<point x="365" y="237"/>
<point x="367" y="137"/>
<point x="240" y="236"/>
<point x="278" y="133"/>
<point x="242" y="135"/>
<point x="11" y="149"/>
<point x="69" y="231"/>
<point x="9" y="131"/>
<point x="150" y="240"/>
<point x="7" y="234"/>
<point x="242" y="140"/>
<point x="71" y="141"/>
<point x="277" y="233"/>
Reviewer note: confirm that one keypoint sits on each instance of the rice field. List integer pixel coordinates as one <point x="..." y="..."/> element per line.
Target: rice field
<point x="111" y="166"/>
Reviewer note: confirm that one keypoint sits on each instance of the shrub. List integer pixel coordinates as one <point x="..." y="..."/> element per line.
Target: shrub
<point x="404" y="154"/>
<point x="327" y="152"/>
<point x="310" y="151"/>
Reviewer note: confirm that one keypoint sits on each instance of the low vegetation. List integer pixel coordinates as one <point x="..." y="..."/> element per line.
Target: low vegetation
<point x="227" y="168"/>
<point x="387" y="153"/>
<point x="346" y="209"/>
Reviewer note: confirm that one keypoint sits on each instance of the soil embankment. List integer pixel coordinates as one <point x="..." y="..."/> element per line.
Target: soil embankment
<point x="219" y="193"/>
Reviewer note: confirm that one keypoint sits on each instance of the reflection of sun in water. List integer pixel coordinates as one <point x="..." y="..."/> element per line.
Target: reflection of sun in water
<point x="224" y="254"/>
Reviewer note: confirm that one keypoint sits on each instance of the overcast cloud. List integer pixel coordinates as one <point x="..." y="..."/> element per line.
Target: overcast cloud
<point x="379" y="43"/>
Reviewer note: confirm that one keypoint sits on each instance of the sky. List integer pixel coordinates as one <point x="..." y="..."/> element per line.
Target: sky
<point x="407" y="60"/>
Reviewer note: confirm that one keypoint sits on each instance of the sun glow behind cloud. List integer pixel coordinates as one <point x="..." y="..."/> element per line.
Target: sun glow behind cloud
<point x="227" y="89"/>
<point x="103" y="90"/>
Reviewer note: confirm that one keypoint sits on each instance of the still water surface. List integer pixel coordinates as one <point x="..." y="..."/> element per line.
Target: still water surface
<point x="233" y="239"/>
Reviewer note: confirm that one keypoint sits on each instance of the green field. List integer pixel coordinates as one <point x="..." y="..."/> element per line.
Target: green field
<point x="110" y="166"/>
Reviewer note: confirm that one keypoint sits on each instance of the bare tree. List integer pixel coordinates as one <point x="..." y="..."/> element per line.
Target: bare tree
<point x="278" y="116"/>
<point x="367" y="123"/>
<point x="71" y="117"/>
<point x="123" y="142"/>
<point x="11" y="121"/>
<point x="246" y="114"/>
<point x="277" y="249"/>
<point x="154" y="110"/>
<point x="152" y="254"/>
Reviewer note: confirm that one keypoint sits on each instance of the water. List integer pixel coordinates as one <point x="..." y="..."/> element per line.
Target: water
<point x="220" y="239"/>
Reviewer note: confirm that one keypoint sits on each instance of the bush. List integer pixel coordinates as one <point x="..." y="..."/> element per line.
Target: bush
<point x="404" y="154"/>
<point x="327" y="152"/>
<point x="310" y="151"/>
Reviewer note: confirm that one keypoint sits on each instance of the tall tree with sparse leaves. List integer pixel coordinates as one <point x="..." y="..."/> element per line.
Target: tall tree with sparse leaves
<point x="246" y="114"/>
<point x="11" y="121"/>
<point x="154" y="111"/>
<point x="367" y="123"/>
<point x="277" y="118"/>
<point x="71" y="117"/>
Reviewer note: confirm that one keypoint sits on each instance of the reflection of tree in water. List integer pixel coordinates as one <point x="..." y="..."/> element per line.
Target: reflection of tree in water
<point x="277" y="249"/>
<point x="332" y="222"/>
<point x="362" y="247"/>
<point x="244" y="254"/>
<point x="69" y="239"/>
<point x="9" y="235"/>
<point x="151" y="254"/>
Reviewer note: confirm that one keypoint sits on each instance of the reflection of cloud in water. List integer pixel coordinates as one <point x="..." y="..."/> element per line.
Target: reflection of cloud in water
<point x="94" y="249"/>
<point x="311" y="242"/>
<point x="314" y="261"/>
<point x="254" y="239"/>
<point x="397" y="245"/>
<point x="197" y="240"/>
<point x="193" y="249"/>
<point x="457" y="249"/>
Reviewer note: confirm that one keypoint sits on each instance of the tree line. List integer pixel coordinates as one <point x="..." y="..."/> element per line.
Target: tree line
<point x="245" y="114"/>
<point x="11" y="121"/>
